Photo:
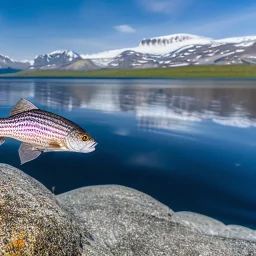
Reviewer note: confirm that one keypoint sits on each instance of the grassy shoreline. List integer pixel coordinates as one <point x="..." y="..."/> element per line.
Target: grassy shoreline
<point x="235" y="71"/>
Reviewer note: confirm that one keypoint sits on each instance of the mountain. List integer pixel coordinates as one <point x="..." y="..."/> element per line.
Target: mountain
<point x="180" y="50"/>
<point x="156" y="45"/>
<point x="194" y="54"/>
<point x="157" y="52"/>
<point x="7" y="62"/>
<point x="80" y="65"/>
<point x="55" y="60"/>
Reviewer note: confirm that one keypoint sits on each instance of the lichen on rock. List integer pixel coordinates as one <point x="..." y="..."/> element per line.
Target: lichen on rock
<point x="105" y="221"/>
<point x="31" y="220"/>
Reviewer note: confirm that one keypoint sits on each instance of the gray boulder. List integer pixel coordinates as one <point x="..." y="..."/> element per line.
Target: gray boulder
<point x="31" y="220"/>
<point x="105" y="220"/>
<point x="124" y="222"/>
<point x="210" y="226"/>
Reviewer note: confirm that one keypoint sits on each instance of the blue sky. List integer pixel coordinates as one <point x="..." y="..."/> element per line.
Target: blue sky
<point x="31" y="27"/>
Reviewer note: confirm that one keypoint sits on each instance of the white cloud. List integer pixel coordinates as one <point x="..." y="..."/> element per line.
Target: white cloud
<point x="125" y="28"/>
<point x="163" y="6"/>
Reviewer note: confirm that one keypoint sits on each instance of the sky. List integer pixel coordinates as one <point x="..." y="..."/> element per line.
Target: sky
<point x="32" y="27"/>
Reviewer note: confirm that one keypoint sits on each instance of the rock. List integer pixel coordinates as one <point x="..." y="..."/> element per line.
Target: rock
<point x="31" y="220"/>
<point x="124" y="222"/>
<point x="210" y="226"/>
<point x="104" y="221"/>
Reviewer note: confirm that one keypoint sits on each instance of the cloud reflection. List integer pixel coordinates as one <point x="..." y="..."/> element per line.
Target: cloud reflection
<point x="155" y="107"/>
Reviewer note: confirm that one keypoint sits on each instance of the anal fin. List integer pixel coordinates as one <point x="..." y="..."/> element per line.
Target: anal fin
<point x="27" y="153"/>
<point x="2" y="140"/>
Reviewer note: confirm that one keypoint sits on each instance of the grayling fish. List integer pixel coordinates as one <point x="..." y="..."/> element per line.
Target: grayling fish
<point x="42" y="131"/>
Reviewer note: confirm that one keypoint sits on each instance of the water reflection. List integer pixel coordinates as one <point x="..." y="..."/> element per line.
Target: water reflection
<point x="186" y="143"/>
<point x="167" y="107"/>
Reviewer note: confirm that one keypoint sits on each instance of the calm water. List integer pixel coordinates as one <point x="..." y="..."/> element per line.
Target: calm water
<point x="190" y="145"/>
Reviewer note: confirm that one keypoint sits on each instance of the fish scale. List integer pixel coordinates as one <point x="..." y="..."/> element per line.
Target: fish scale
<point x="42" y="131"/>
<point x="38" y="124"/>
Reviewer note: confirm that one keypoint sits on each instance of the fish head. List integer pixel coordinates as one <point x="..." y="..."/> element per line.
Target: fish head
<point x="80" y="141"/>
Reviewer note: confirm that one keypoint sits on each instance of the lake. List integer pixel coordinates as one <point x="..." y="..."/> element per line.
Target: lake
<point x="189" y="144"/>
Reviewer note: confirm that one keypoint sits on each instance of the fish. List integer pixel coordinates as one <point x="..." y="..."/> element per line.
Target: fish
<point x="42" y="131"/>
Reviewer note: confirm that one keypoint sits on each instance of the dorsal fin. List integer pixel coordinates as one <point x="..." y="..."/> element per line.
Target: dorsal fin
<point x="22" y="106"/>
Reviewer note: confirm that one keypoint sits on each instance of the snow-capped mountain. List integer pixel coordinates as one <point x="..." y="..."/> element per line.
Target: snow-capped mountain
<point x="7" y="62"/>
<point x="156" y="45"/>
<point x="55" y="60"/>
<point x="195" y="54"/>
<point x="179" y="50"/>
<point x="165" y="51"/>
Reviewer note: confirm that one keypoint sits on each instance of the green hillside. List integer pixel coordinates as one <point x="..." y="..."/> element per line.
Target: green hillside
<point x="174" y="72"/>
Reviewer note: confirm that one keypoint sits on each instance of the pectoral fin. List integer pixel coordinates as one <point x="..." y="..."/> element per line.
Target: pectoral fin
<point x="2" y="140"/>
<point x="28" y="153"/>
<point x="55" y="145"/>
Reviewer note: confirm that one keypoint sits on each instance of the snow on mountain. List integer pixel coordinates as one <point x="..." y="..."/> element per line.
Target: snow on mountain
<point x="194" y="54"/>
<point x="171" y="45"/>
<point x="164" y="51"/>
<point x="31" y="62"/>
<point x="176" y="37"/>
<point x="56" y="54"/>
<point x="55" y="59"/>
<point x="72" y="55"/>
<point x="104" y="55"/>
<point x="167" y="44"/>
<point x="179" y="50"/>
<point x="156" y="45"/>
<point x="7" y="62"/>
<point x="237" y="39"/>
<point x="174" y="40"/>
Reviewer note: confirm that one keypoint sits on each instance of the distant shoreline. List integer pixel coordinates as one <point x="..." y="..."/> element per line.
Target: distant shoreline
<point x="206" y="71"/>
<point x="252" y="78"/>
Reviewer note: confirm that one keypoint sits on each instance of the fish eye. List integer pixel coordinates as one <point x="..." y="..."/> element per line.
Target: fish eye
<point x="85" y="137"/>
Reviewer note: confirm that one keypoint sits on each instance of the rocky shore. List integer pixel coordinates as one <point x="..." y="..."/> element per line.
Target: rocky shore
<point x="106" y="220"/>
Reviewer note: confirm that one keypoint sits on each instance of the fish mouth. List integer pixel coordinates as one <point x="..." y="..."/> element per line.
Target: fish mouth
<point x="90" y="148"/>
<point x="94" y="144"/>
